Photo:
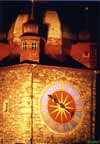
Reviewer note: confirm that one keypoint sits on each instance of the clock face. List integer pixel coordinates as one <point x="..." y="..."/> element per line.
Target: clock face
<point x="61" y="107"/>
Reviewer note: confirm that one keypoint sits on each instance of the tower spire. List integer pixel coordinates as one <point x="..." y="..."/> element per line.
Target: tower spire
<point x="86" y="17"/>
<point x="32" y="10"/>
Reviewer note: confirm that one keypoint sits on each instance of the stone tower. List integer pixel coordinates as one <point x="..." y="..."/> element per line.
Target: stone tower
<point x="30" y="40"/>
<point x="43" y="103"/>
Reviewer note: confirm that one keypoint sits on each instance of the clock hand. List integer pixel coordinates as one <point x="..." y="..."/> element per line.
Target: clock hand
<point x="55" y="99"/>
<point x="61" y="104"/>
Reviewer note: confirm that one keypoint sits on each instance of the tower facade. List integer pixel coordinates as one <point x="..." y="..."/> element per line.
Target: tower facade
<point x="30" y="42"/>
<point x="46" y="104"/>
<point x="30" y="39"/>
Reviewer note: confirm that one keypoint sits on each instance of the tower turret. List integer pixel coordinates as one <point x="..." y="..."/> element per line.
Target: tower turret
<point x="31" y="40"/>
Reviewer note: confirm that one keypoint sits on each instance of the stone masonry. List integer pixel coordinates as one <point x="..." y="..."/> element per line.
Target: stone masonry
<point x="21" y="88"/>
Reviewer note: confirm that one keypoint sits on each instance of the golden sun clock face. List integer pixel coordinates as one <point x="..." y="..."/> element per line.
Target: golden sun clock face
<point x="61" y="107"/>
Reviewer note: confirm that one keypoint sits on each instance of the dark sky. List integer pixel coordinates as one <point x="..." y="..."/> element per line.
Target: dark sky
<point x="72" y="14"/>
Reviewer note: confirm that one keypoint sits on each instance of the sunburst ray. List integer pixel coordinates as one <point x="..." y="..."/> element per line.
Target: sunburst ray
<point x="53" y="106"/>
<point x="65" y="100"/>
<point x="65" y="114"/>
<point x="55" y="110"/>
<point x="57" y="114"/>
<point x="61" y="116"/>
<point x="69" y="108"/>
<point x="61" y="97"/>
<point x="67" y="103"/>
<point x="57" y="98"/>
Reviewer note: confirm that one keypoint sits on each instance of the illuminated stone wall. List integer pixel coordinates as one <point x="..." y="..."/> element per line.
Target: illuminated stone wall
<point x="19" y="85"/>
<point x="83" y="83"/>
<point x="15" y="104"/>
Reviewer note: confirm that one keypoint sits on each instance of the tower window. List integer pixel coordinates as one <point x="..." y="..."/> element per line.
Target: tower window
<point x="34" y="45"/>
<point x="86" y="54"/>
<point x="6" y="106"/>
<point x="24" y="45"/>
<point x="93" y="50"/>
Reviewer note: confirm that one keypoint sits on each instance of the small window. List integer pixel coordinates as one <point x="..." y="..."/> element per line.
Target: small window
<point x="6" y="106"/>
<point x="93" y="52"/>
<point x="34" y="45"/>
<point x="86" y="54"/>
<point x="24" y="45"/>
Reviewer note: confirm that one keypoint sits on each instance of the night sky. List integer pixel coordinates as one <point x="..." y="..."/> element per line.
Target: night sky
<point x="72" y="14"/>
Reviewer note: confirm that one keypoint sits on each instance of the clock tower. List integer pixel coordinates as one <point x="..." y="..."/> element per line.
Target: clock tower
<point x="31" y="40"/>
<point x="46" y="102"/>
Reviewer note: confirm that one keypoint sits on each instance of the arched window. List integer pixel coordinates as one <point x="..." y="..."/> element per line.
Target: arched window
<point x="24" y="45"/>
<point x="34" y="45"/>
